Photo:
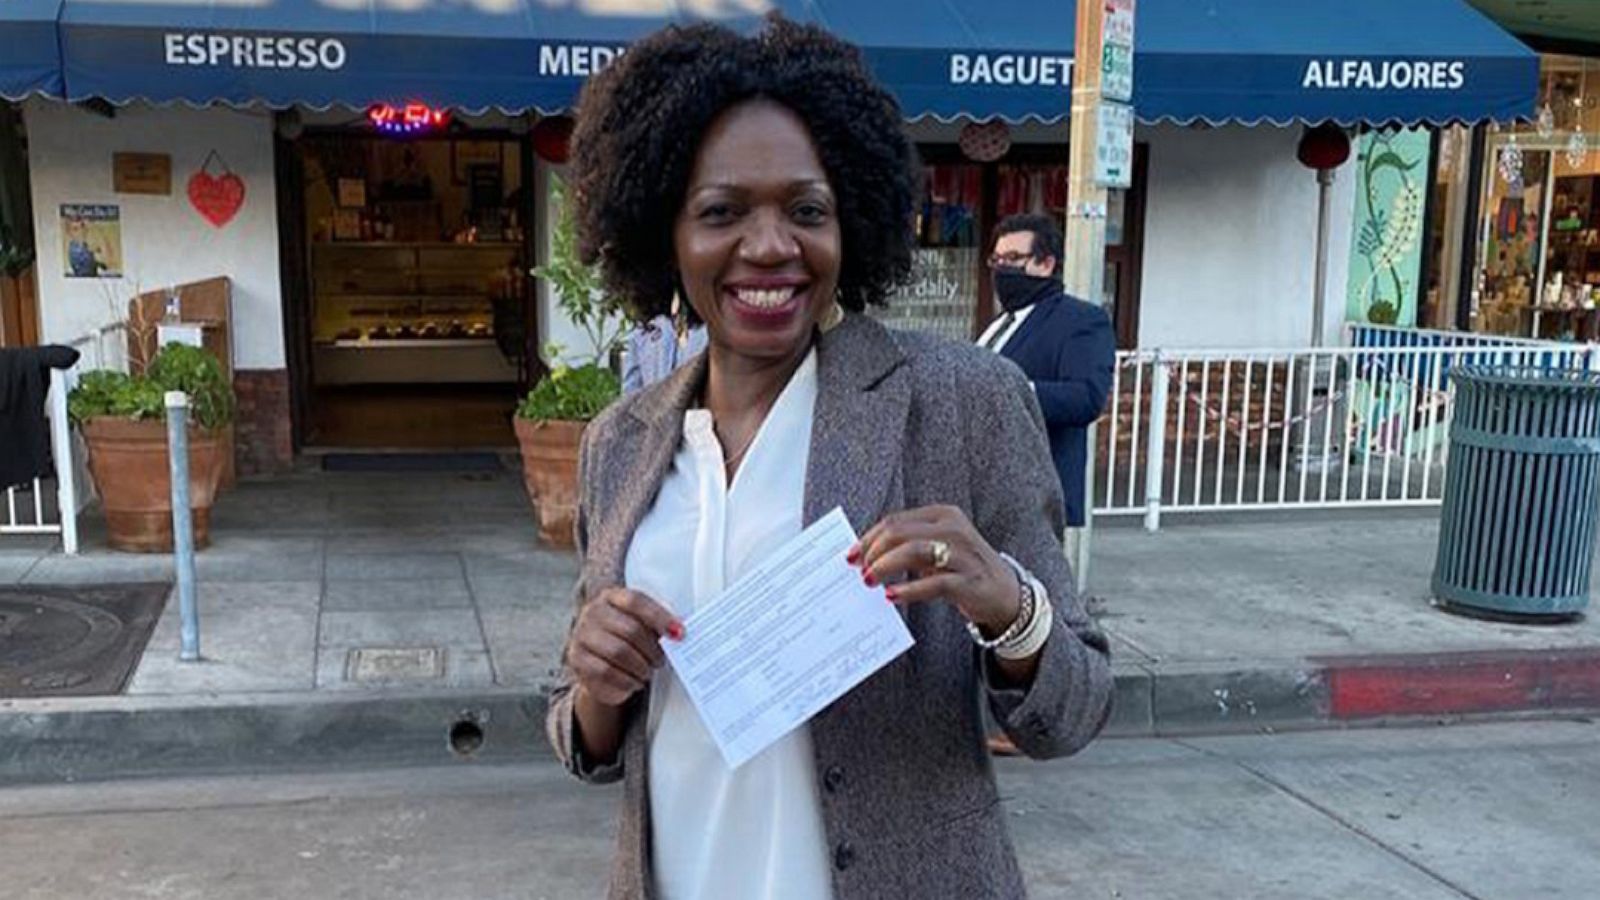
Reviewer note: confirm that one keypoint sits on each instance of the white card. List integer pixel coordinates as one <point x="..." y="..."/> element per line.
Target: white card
<point x="793" y="635"/>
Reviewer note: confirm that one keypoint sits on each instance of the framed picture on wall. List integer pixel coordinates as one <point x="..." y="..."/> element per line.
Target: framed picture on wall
<point x="91" y="240"/>
<point x="466" y="154"/>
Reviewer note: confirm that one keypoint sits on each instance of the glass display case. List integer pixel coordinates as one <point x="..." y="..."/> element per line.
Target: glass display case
<point x="389" y="312"/>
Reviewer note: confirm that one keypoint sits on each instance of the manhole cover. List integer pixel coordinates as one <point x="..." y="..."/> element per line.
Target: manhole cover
<point x="74" y="640"/>
<point x="394" y="664"/>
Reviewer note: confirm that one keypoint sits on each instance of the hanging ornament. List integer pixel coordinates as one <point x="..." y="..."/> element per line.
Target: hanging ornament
<point x="217" y="198"/>
<point x="1510" y="164"/>
<point x="1577" y="148"/>
<point x="1546" y="123"/>
<point x="985" y="141"/>
<point x="1578" y="142"/>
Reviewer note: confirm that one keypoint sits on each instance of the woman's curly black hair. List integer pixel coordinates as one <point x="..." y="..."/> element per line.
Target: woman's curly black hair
<point x="639" y="127"/>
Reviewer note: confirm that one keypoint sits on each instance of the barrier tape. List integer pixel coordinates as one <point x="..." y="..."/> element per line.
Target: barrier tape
<point x="1233" y="421"/>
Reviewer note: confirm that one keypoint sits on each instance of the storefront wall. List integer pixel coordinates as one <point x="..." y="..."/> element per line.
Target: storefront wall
<point x="1230" y="240"/>
<point x="1228" y="252"/>
<point x="165" y="241"/>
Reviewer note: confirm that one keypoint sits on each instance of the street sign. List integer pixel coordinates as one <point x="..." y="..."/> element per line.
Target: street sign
<point x="1116" y="56"/>
<point x="1113" y="156"/>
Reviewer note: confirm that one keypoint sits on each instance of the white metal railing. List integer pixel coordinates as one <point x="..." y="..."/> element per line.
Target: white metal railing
<point x="29" y="508"/>
<point x="40" y="507"/>
<point x="1235" y="430"/>
<point x="105" y="347"/>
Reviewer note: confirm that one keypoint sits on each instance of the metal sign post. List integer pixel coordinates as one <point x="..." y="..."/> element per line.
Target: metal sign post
<point x="182" y="526"/>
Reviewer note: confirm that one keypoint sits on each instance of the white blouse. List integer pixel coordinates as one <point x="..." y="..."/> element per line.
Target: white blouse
<point x="755" y="832"/>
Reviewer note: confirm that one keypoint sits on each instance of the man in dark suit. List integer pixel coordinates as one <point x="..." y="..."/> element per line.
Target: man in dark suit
<point x="1064" y="345"/>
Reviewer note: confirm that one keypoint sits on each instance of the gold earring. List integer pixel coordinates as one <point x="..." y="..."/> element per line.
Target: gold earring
<point x="680" y="318"/>
<point x="831" y="317"/>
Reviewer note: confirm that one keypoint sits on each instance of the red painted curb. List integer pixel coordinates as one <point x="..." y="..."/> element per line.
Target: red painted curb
<point x="1460" y="683"/>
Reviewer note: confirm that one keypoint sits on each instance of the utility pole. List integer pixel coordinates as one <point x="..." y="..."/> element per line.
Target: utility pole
<point x="1101" y="157"/>
<point x="1083" y="269"/>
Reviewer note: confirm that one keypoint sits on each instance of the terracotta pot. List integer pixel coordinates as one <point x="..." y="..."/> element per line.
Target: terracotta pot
<point x="128" y="460"/>
<point x="550" y="471"/>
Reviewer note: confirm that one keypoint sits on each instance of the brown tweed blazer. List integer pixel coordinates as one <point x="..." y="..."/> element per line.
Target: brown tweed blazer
<point x="901" y="420"/>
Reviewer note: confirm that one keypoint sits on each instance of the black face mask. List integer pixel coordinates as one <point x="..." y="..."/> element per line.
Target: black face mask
<point x="1015" y="289"/>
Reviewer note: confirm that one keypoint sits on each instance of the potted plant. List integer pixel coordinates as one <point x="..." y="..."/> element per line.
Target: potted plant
<point x="123" y="421"/>
<point x="549" y="422"/>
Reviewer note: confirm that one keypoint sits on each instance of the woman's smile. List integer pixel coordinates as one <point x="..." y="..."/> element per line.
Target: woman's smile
<point x="766" y="302"/>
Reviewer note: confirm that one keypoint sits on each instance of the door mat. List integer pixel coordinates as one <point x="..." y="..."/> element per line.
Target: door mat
<point x="412" y="462"/>
<point x="58" y="641"/>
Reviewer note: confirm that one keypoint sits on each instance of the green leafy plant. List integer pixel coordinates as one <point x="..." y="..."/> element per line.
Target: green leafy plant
<point x="107" y="393"/>
<point x="571" y="393"/>
<point x="579" y="292"/>
<point x="576" y="393"/>
<point x="178" y="367"/>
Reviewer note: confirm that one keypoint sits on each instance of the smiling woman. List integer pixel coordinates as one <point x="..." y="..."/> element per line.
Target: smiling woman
<point x="765" y="182"/>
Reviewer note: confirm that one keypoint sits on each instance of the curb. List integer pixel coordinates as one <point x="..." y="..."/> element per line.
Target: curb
<point x="1352" y="691"/>
<point x="84" y="739"/>
<point x="93" y="738"/>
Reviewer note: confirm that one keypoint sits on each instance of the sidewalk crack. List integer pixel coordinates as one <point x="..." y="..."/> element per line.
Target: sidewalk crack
<point x="1333" y="816"/>
<point x="316" y="636"/>
<point x="477" y="615"/>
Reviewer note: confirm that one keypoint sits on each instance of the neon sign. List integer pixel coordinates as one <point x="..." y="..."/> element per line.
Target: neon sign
<point x="412" y="118"/>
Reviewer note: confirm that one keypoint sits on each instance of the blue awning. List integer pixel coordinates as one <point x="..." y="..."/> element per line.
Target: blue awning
<point x="1349" y="61"/>
<point x="1213" y="60"/>
<point x="30" y="60"/>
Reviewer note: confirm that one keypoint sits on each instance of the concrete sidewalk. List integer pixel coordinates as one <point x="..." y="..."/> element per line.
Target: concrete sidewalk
<point x="367" y="617"/>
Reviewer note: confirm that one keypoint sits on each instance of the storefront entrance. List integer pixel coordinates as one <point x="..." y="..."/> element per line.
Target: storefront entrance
<point x="406" y="288"/>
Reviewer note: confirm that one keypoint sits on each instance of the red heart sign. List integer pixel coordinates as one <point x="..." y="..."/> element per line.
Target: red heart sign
<point x="217" y="198"/>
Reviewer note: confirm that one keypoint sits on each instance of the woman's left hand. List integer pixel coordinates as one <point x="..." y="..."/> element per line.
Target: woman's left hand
<point x="973" y="577"/>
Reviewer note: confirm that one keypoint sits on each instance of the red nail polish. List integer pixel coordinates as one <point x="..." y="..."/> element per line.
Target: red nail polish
<point x="854" y="556"/>
<point x="675" y="631"/>
<point x="891" y="593"/>
<point x="867" y="576"/>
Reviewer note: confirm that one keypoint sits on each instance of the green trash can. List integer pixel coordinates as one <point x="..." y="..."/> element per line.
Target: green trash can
<point x="1522" y="488"/>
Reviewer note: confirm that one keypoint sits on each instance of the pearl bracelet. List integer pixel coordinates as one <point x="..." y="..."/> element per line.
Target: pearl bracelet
<point x="1032" y="638"/>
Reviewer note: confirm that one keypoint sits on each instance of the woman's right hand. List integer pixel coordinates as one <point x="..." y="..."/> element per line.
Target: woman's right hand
<point x="615" y="644"/>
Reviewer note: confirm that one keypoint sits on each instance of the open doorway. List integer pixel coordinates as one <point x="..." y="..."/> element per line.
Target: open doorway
<point x="408" y="296"/>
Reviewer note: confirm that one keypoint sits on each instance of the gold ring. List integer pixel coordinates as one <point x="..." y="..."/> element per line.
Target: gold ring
<point x="940" y="551"/>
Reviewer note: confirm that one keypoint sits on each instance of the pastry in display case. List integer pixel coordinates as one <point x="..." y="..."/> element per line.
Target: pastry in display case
<point x="409" y="313"/>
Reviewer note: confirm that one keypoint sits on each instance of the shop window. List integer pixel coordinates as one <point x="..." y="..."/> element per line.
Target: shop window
<point x="942" y="295"/>
<point x="1538" y="238"/>
<point x="1511" y="237"/>
<point x="1032" y="189"/>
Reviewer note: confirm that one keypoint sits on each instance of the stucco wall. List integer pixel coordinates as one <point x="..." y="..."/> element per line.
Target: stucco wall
<point x="1230" y="240"/>
<point x="164" y="240"/>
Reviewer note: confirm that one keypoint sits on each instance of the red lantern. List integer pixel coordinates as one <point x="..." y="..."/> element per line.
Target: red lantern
<point x="1324" y="147"/>
<point x="552" y="139"/>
